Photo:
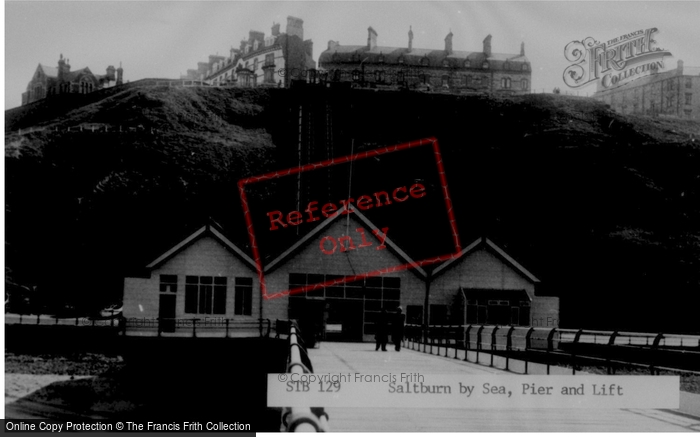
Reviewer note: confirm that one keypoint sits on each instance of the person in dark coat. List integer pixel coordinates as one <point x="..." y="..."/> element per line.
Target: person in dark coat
<point x="397" y="328"/>
<point x="382" y="332"/>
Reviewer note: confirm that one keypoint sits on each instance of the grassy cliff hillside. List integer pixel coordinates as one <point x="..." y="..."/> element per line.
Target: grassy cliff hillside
<point x="603" y="208"/>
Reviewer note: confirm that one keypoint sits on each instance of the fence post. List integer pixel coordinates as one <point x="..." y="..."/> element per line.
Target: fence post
<point x="493" y="343"/>
<point x="654" y="348"/>
<point x="509" y="345"/>
<point x="528" y="344"/>
<point x="457" y="329"/>
<point x="550" y="345"/>
<point x="478" y="342"/>
<point x="611" y="344"/>
<point x="466" y="342"/>
<point x="447" y="339"/>
<point x="577" y="337"/>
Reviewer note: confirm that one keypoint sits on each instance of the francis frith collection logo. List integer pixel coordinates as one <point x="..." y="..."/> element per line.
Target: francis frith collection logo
<point x="614" y="62"/>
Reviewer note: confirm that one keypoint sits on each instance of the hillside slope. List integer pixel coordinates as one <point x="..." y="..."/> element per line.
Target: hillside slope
<point x="604" y="209"/>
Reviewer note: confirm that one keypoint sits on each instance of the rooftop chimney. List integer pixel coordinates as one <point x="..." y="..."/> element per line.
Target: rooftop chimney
<point x="275" y="29"/>
<point x="332" y="44"/>
<point x="295" y="26"/>
<point x="522" y="48"/>
<point x="448" y="43"/>
<point x="371" y="38"/>
<point x="487" y="46"/>
<point x="410" y="38"/>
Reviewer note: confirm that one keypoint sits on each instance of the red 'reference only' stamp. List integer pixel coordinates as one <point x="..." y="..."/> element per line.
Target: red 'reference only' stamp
<point x="274" y="219"/>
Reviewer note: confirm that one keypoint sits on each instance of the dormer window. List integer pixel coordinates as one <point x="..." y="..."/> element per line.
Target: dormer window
<point x="425" y="61"/>
<point x="401" y="59"/>
<point x="525" y="67"/>
<point x="381" y="57"/>
<point x="467" y="63"/>
<point x="485" y="65"/>
<point x="445" y="63"/>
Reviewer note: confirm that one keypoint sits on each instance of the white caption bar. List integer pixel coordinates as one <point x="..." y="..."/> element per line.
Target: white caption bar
<point x="414" y="390"/>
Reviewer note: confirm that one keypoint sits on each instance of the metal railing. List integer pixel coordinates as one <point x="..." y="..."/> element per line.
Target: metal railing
<point x="196" y="327"/>
<point x="569" y="347"/>
<point x="300" y="419"/>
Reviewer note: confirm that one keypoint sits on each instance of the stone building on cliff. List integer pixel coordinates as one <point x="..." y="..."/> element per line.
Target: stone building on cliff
<point x="49" y="81"/>
<point x="261" y="60"/>
<point x="409" y="67"/>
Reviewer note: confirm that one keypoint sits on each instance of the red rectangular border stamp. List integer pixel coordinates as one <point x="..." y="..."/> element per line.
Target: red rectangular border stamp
<point x="341" y="160"/>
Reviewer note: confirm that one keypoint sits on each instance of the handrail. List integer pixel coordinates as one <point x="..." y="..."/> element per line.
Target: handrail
<point x="301" y="419"/>
<point x="675" y="352"/>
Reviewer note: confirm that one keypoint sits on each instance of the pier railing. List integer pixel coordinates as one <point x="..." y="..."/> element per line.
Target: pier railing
<point x="557" y="346"/>
<point x="300" y="419"/>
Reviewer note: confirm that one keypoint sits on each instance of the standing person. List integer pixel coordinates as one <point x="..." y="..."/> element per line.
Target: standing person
<point x="397" y="328"/>
<point x="382" y="333"/>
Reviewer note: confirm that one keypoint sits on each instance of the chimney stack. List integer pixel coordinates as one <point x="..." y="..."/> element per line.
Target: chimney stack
<point x="448" y="43"/>
<point x="487" y="46"/>
<point x="522" y="48"/>
<point x="410" y="38"/>
<point x="332" y="44"/>
<point x="371" y="38"/>
<point x="275" y="29"/>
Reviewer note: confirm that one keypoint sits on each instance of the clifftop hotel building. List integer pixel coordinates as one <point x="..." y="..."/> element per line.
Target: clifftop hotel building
<point x="261" y="60"/>
<point x="438" y="69"/>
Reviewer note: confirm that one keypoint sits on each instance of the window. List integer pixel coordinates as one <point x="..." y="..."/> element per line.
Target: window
<point x="401" y="59"/>
<point x="270" y="59"/>
<point x="243" y="305"/>
<point x="425" y="61"/>
<point x="688" y="82"/>
<point x="269" y="75"/>
<point x="438" y="315"/>
<point x="400" y="77"/>
<point x="445" y="81"/>
<point x="414" y="314"/>
<point x="168" y="283"/>
<point x="255" y="64"/>
<point x="445" y="63"/>
<point x="379" y="76"/>
<point x="525" y="68"/>
<point x="466" y="80"/>
<point x="505" y="83"/>
<point x="485" y="65"/>
<point x="205" y="295"/>
<point x="355" y="75"/>
<point x="467" y="63"/>
<point x="688" y="112"/>
<point x="688" y="98"/>
<point x="523" y="84"/>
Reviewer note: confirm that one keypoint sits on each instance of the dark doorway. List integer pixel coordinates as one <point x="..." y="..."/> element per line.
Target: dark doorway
<point x="166" y="312"/>
<point x="347" y="313"/>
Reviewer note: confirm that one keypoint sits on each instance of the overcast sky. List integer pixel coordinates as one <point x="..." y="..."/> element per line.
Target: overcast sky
<point x="164" y="39"/>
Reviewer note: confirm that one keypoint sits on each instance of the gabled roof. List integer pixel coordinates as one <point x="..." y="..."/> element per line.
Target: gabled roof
<point x="49" y="71"/>
<point x="485" y="242"/>
<point x="354" y="215"/>
<point x="206" y="230"/>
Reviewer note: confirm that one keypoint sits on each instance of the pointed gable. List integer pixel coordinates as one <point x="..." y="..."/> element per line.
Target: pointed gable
<point x="209" y="230"/>
<point x="486" y="244"/>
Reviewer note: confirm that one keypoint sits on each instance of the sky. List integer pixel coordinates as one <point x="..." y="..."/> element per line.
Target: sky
<point x="163" y="38"/>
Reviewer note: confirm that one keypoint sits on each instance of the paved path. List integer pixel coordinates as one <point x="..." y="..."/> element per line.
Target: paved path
<point x="362" y="358"/>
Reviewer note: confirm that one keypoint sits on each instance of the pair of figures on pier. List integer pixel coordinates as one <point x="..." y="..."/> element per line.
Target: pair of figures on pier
<point x="386" y="323"/>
